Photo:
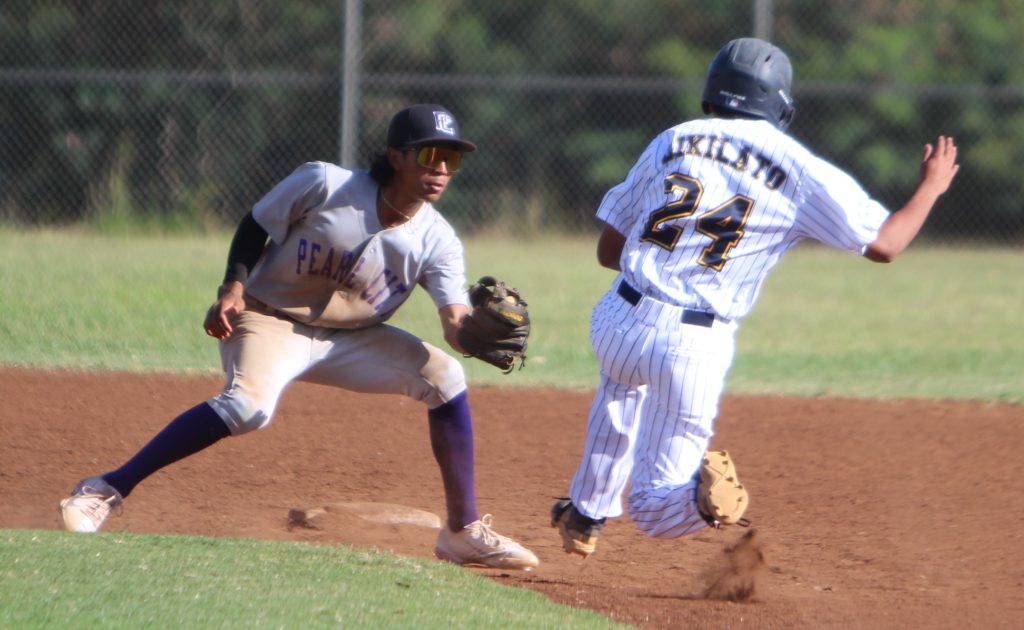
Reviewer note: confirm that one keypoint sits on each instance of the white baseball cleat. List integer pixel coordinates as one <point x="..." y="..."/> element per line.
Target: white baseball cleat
<point x="89" y="505"/>
<point x="478" y="544"/>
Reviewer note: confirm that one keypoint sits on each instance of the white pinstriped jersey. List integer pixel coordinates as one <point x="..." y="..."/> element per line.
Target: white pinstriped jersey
<point x="713" y="204"/>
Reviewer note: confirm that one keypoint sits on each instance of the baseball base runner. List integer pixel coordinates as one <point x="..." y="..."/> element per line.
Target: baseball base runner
<point x="709" y="208"/>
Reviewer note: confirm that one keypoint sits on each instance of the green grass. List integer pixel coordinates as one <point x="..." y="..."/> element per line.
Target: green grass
<point x="939" y="322"/>
<point x="51" y="579"/>
<point x="72" y="299"/>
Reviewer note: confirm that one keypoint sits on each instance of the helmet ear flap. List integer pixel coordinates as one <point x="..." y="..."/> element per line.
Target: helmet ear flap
<point x="786" y="116"/>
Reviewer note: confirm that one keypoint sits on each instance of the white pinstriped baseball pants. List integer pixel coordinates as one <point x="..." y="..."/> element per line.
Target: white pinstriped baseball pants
<point x="653" y="414"/>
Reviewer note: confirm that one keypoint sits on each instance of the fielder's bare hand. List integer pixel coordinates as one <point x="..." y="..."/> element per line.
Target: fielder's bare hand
<point x="218" y="317"/>
<point x="938" y="166"/>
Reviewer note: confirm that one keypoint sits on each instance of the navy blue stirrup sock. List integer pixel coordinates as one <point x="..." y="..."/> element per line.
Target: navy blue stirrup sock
<point x="189" y="433"/>
<point x="451" y="438"/>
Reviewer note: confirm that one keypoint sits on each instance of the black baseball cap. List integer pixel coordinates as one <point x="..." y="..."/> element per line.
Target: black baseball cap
<point x="424" y="124"/>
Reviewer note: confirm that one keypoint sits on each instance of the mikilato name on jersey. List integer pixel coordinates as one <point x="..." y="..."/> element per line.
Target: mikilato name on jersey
<point x="724" y="150"/>
<point x="307" y="260"/>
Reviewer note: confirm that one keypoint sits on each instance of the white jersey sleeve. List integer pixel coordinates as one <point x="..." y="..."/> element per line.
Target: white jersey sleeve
<point x="835" y="210"/>
<point x="625" y="204"/>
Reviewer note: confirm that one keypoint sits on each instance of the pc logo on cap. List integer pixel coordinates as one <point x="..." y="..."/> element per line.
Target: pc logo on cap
<point x="426" y="124"/>
<point x="444" y="123"/>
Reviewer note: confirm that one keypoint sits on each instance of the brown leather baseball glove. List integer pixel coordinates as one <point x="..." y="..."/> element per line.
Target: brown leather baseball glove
<point x="498" y="326"/>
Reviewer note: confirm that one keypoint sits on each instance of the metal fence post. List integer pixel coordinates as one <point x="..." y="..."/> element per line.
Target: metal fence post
<point x="351" y="62"/>
<point x="763" y="20"/>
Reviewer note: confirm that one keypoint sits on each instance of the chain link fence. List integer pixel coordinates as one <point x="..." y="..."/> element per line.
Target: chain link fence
<point x="183" y="113"/>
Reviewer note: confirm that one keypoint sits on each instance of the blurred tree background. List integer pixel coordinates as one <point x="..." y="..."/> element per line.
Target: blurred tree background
<point x="181" y="114"/>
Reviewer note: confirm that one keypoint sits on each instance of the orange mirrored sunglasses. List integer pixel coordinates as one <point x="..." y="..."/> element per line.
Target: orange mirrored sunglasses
<point x="432" y="157"/>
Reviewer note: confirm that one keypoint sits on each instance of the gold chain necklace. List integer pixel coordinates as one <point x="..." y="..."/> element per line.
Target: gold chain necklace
<point x="387" y="203"/>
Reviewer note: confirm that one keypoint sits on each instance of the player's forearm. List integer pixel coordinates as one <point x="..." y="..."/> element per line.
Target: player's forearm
<point x="903" y="225"/>
<point x="246" y="248"/>
<point x="609" y="248"/>
<point x="233" y="287"/>
<point x="451" y="319"/>
<point x="938" y="168"/>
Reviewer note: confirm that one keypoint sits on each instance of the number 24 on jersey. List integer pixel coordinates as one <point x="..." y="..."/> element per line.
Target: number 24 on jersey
<point x="723" y="224"/>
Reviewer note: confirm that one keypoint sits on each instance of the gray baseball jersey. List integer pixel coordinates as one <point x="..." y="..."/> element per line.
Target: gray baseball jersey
<point x="330" y="263"/>
<point x="327" y="280"/>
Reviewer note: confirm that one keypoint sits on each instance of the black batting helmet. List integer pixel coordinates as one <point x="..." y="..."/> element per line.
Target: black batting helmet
<point x="751" y="77"/>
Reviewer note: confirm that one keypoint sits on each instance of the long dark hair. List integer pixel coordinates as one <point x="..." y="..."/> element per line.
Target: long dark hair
<point x="381" y="170"/>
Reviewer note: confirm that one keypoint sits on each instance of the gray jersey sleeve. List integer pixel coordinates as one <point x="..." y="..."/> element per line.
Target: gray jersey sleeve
<point x="304" y="189"/>
<point x="445" y="278"/>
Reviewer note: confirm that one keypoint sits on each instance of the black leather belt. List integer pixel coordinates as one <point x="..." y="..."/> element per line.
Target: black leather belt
<point x="259" y="306"/>
<point x="694" y="318"/>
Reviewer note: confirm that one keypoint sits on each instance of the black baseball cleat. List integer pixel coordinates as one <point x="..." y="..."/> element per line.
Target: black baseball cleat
<point x="579" y="533"/>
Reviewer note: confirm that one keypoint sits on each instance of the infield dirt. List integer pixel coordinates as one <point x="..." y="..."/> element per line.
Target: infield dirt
<point x="899" y="514"/>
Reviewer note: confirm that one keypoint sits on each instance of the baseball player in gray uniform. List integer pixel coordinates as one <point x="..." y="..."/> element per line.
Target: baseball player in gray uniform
<point x="314" y="271"/>
<point x="706" y="212"/>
